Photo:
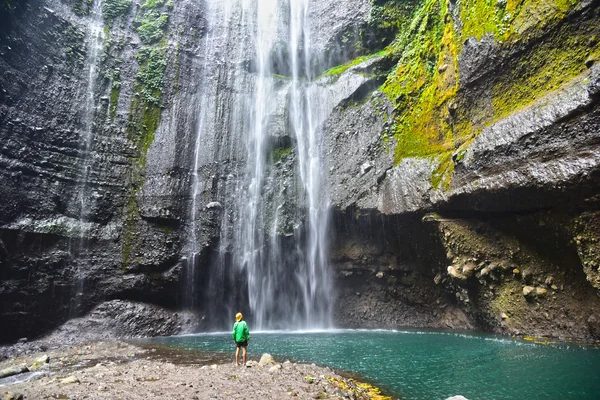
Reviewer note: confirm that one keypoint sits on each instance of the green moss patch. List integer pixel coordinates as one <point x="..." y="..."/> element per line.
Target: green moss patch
<point x="484" y="17"/>
<point x="392" y="13"/>
<point x="387" y="18"/>
<point x="153" y="62"/>
<point x="340" y="69"/>
<point x="151" y="23"/>
<point x="423" y="84"/>
<point x="547" y="67"/>
<point x="440" y="176"/>
<point x="151" y="27"/>
<point x="145" y="107"/>
<point x="152" y="4"/>
<point x="112" y="9"/>
<point x="114" y="101"/>
<point x="433" y="115"/>
<point x="82" y="7"/>
<point x="510" y="19"/>
<point x="280" y="153"/>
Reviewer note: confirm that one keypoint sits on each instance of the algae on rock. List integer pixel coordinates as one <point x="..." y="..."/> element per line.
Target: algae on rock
<point x="530" y="48"/>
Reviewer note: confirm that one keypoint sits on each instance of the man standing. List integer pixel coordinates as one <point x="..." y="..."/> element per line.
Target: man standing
<point x="241" y="337"/>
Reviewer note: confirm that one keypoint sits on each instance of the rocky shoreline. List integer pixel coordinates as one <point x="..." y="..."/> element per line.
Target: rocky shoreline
<point x="120" y="370"/>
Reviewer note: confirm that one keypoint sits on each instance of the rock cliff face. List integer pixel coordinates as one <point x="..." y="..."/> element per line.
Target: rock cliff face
<point x="460" y="148"/>
<point x="76" y="131"/>
<point x="477" y="171"/>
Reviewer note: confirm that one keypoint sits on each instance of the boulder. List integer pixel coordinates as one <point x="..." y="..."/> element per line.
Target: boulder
<point x="455" y="274"/>
<point x="13" y="396"/>
<point x="531" y="292"/>
<point x="39" y="363"/>
<point x="14" y="370"/>
<point x="365" y="167"/>
<point x="214" y="205"/>
<point x="527" y="276"/>
<point x="528" y="291"/>
<point x="69" y="380"/>
<point x="468" y="269"/>
<point x="266" y="359"/>
<point x="275" y="368"/>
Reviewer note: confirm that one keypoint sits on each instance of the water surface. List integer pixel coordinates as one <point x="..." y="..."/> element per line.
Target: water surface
<point x="426" y="364"/>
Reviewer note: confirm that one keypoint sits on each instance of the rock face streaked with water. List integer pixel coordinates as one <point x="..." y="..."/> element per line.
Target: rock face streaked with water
<point x="358" y="164"/>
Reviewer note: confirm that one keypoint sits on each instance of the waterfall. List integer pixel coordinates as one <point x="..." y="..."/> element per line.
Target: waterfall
<point x="252" y="230"/>
<point x="221" y="55"/>
<point x="210" y="48"/>
<point x="279" y="279"/>
<point x="307" y="100"/>
<point x="81" y="203"/>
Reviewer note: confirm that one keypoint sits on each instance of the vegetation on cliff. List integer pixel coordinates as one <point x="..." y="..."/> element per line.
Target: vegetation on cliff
<point x="82" y="7"/>
<point x="151" y="24"/>
<point x="112" y="9"/>
<point x="145" y="108"/>
<point x="440" y="103"/>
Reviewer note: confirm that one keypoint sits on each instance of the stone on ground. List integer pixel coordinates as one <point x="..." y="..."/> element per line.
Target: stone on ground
<point x="266" y="359"/>
<point x="275" y="368"/>
<point x="13" y="396"/>
<point x="14" y="370"/>
<point x="70" y="379"/>
<point x="39" y="363"/>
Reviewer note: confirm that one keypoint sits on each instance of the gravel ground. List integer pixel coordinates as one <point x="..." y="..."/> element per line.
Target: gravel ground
<point x="119" y="370"/>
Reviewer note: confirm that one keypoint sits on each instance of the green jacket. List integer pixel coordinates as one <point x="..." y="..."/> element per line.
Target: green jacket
<point x="240" y="331"/>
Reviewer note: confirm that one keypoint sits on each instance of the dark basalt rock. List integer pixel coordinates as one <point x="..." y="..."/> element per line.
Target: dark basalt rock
<point x="522" y="197"/>
<point x="110" y="320"/>
<point x="60" y="257"/>
<point x="526" y="186"/>
<point x="477" y="59"/>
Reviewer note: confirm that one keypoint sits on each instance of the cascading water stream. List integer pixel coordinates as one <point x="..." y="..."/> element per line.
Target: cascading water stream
<point x="82" y="199"/>
<point x="252" y="238"/>
<point x="306" y="102"/>
<point x="220" y="63"/>
<point x="209" y="49"/>
<point x="306" y="303"/>
<point x="284" y="277"/>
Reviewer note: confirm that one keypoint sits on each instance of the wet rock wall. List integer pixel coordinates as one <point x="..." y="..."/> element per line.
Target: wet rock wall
<point x="62" y="256"/>
<point x="461" y="160"/>
<point x="105" y="156"/>
<point x="501" y="198"/>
